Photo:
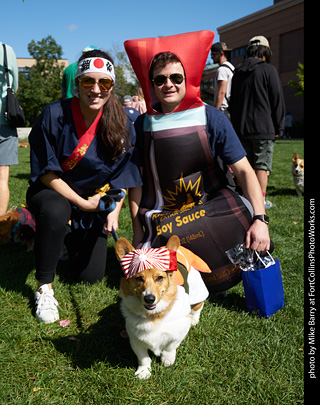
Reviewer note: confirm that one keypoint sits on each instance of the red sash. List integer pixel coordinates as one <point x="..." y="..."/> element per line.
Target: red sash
<point x="85" y="135"/>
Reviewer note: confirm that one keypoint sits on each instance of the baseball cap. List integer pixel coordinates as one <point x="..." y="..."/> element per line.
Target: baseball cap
<point x="127" y="99"/>
<point x="89" y="48"/>
<point x="220" y="47"/>
<point x="258" y="40"/>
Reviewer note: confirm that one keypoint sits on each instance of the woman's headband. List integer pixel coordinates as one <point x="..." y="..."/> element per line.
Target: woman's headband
<point x="91" y="65"/>
<point x="141" y="259"/>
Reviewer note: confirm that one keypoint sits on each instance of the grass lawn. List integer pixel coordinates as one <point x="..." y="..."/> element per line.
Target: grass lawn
<point x="231" y="357"/>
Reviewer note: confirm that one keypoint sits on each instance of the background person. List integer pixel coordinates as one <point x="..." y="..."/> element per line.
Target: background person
<point x="138" y="101"/>
<point x="257" y="108"/>
<point x="223" y="79"/>
<point x="9" y="142"/>
<point x="78" y="145"/>
<point x="131" y="112"/>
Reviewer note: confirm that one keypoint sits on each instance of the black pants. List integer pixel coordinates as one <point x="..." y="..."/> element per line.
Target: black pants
<point x="87" y="248"/>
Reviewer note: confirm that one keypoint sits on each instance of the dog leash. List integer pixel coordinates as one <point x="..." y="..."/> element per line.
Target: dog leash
<point x="107" y="204"/>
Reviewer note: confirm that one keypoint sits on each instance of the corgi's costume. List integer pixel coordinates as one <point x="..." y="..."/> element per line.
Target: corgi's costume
<point x="188" y="188"/>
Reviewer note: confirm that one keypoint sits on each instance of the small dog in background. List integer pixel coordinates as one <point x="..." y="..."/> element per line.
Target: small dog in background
<point x="159" y="303"/>
<point x="24" y="144"/>
<point x="298" y="173"/>
<point x="18" y="225"/>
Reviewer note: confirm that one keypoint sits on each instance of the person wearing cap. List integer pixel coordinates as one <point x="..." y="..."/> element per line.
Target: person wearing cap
<point x="222" y="81"/>
<point x="257" y="108"/>
<point x="80" y="148"/>
<point x="68" y="84"/>
<point x="131" y="112"/>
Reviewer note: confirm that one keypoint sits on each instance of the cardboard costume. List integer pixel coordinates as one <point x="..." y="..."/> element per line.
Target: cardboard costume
<point x="186" y="187"/>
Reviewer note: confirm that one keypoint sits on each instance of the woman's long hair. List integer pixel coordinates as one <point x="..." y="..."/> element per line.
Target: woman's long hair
<point x="113" y="123"/>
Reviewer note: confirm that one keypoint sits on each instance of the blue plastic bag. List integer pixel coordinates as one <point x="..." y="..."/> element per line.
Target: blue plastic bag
<point x="263" y="287"/>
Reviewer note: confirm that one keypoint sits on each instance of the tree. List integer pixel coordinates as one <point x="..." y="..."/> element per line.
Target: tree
<point x="126" y="81"/>
<point x="42" y="84"/>
<point x="299" y="85"/>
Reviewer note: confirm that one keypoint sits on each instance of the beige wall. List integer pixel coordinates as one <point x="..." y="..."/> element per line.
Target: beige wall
<point x="29" y="62"/>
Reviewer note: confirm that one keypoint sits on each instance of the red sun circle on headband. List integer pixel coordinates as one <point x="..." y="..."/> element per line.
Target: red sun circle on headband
<point x="98" y="63"/>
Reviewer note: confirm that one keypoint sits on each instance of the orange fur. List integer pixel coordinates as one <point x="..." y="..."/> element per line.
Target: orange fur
<point x="298" y="173"/>
<point x="7" y="222"/>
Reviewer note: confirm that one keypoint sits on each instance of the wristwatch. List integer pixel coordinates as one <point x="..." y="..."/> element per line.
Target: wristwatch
<point x="264" y="218"/>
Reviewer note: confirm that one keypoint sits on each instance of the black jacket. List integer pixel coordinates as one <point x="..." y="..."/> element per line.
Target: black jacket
<point x="257" y="106"/>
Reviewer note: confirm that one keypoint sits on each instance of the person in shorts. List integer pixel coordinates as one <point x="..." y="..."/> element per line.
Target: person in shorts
<point x="9" y="141"/>
<point x="257" y="108"/>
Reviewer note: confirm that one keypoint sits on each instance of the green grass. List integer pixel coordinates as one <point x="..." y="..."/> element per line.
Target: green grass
<point x="231" y="357"/>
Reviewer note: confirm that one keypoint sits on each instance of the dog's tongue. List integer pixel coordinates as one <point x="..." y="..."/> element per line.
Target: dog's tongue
<point x="150" y="307"/>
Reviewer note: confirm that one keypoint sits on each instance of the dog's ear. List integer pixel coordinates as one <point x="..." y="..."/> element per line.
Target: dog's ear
<point x="295" y="157"/>
<point x="173" y="243"/>
<point x="123" y="247"/>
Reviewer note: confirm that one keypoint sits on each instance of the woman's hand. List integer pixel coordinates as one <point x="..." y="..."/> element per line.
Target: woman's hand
<point x="111" y="223"/>
<point x="92" y="204"/>
<point x="51" y="180"/>
<point x="113" y="216"/>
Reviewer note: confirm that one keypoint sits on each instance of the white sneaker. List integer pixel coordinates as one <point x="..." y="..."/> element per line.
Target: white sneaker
<point x="46" y="305"/>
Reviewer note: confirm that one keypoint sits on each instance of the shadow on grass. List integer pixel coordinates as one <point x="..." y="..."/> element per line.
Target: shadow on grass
<point x="15" y="265"/>
<point x="273" y="191"/>
<point x="233" y="302"/>
<point x="21" y="176"/>
<point x="101" y="343"/>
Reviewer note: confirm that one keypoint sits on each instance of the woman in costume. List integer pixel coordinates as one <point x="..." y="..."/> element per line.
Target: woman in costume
<point x="80" y="149"/>
<point x="185" y="149"/>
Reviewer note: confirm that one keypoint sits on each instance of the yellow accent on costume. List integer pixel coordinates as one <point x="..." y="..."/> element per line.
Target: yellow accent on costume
<point x="102" y="190"/>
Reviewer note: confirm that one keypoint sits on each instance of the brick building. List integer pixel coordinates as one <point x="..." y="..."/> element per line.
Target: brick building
<point x="283" y="25"/>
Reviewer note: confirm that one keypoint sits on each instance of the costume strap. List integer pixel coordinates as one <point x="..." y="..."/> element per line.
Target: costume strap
<point x="85" y="135"/>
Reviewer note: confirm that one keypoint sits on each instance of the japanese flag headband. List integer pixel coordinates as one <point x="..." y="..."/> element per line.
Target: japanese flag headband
<point x="140" y="259"/>
<point x="91" y="65"/>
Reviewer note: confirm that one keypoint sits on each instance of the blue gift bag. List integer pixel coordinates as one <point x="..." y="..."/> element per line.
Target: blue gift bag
<point x="263" y="287"/>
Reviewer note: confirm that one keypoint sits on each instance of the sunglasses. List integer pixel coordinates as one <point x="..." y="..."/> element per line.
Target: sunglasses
<point x="88" y="82"/>
<point x="175" y="78"/>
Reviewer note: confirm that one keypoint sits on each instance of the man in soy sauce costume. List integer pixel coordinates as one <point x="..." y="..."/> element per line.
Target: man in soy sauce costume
<point x="186" y="150"/>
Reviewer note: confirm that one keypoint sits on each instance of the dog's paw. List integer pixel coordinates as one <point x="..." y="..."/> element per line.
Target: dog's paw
<point x="168" y="358"/>
<point x="195" y="317"/>
<point x="143" y="372"/>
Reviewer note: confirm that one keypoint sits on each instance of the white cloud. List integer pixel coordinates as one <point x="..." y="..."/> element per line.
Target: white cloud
<point x="72" y="27"/>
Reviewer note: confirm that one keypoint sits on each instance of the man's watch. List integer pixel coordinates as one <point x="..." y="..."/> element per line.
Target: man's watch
<point x="264" y="218"/>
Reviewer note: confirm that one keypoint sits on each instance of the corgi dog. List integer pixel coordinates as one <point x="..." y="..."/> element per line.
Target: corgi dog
<point x="18" y="224"/>
<point x="24" y="144"/>
<point x="158" y="311"/>
<point x="298" y="173"/>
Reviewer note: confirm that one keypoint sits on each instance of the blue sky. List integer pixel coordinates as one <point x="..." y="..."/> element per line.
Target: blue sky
<point x="75" y="24"/>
